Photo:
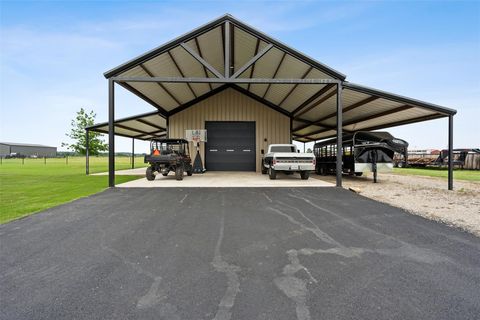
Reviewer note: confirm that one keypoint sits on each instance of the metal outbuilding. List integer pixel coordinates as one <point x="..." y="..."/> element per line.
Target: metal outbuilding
<point x="27" y="149"/>
<point x="227" y="71"/>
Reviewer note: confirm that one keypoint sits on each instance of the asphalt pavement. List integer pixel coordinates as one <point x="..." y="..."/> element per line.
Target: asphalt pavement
<point x="235" y="253"/>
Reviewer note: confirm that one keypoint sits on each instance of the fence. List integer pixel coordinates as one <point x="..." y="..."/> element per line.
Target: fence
<point x="121" y="162"/>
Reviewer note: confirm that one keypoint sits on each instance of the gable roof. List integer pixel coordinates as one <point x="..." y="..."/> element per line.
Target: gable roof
<point x="191" y="68"/>
<point x="196" y="34"/>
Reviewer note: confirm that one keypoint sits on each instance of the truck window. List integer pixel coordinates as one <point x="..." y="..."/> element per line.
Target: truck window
<point x="282" y="149"/>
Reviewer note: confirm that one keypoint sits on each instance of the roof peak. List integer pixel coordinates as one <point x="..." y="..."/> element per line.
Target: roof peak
<point x="213" y="24"/>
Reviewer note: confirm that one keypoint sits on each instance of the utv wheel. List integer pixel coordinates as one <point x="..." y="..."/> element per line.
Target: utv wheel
<point x="304" y="175"/>
<point x="179" y="173"/>
<point x="149" y="174"/>
<point x="272" y="173"/>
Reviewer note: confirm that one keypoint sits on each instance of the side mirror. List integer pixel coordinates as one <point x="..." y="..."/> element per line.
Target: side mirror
<point x="262" y="151"/>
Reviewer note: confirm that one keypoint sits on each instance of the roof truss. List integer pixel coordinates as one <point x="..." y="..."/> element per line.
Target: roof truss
<point x="228" y="53"/>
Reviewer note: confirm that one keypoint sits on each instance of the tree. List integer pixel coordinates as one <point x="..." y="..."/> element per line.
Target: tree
<point x="78" y="135"/>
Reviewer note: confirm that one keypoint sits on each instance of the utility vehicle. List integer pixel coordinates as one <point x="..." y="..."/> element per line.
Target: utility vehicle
<point x="168" y="155"/>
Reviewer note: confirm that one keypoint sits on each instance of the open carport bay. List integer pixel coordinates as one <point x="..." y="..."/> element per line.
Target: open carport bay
<point x="239" y="253"/>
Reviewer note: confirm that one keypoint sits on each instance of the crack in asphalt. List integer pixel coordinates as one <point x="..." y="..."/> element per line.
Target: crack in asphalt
<point x="267" y="197"/>
<point x="155" y="294"/>
<point x="231" y="271"/>
<point x="292" y="286"/>
<point x="296" y="289"/>
<point x="183" y="199"/>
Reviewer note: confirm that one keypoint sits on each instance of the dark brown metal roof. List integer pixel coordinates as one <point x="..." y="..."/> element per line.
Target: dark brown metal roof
<point x="193" y="67"/>
<point x="143" y="126"/>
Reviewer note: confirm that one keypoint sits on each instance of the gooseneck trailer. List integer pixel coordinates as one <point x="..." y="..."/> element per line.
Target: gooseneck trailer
<point x="362" y="151"/>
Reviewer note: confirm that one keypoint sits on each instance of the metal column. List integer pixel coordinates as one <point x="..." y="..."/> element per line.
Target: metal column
<point x="450" y="152"/>
<point x="227" y="50"/>
<point x="291" y="129"/>
<point x="111" y="133"/>
<point x="167" y="128"/>
<point x="87" y="153"/>
<point x="339" y="135"/>
<point x="133" y="153"/>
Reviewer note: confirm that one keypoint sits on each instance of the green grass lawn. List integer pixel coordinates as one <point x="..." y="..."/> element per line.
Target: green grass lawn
<point x="468" y="175"/>
<point x="35" y="186"/>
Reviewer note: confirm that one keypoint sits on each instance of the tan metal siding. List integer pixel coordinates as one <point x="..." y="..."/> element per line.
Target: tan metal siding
<point x="231" y="105"/>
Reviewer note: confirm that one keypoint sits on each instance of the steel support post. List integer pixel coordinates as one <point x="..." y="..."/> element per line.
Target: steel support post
<point x="87" y="153"/>
<point x="167" y="135"/>
<point x="111" y="133"/>
<point x="227" y="49"/>
<point x="133" y="153"/>
<point x="291" y="129"/>
<point x="450" y="152"/>
<point x="339" y="136"/>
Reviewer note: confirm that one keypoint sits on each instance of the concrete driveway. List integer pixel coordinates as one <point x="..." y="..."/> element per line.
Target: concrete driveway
<point x="235" y="253"/>
<point x="222" y="179"/>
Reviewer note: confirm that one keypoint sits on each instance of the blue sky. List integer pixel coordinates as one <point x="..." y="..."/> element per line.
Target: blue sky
<point x="53" y="55"/>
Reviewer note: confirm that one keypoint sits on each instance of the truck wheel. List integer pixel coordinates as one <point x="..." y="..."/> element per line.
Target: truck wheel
<point x="179" y="173"/>
<point x="149" y="174"/>
<point x="304" y="175"/>
<point x="264" y="170"/>
<point x="272" y="173"/>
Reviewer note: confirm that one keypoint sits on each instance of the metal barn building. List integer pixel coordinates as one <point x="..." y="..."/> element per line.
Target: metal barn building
<point x="26" y="149"/>
<point x="249" y="90"/>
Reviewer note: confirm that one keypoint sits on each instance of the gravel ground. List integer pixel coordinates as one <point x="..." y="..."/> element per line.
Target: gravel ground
<point x="424" y="196"/>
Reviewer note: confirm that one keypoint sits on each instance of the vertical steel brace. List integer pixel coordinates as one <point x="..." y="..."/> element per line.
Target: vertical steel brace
<point x="339" y="136"/>
<point x="111" y="133"/>
<point x="87" y="153"/>
<point x="450" y="152"/>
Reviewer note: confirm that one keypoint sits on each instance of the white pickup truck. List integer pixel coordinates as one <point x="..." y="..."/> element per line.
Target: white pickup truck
<point x="286" y="158"/>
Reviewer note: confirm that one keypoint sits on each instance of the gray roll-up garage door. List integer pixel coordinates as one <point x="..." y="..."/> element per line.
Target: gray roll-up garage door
<point x="230" y="146"/>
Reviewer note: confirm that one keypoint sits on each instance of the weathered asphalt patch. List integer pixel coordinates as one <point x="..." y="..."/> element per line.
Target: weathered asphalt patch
<point x="235" y="253"/>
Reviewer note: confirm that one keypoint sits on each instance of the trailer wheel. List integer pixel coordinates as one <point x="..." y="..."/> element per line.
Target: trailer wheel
<point x="149" y="174"/>
<point x="272" y="173"/>
<point x="179" y="173"/>
<point x="323" y="171"/>
<point x="304" y="175"/>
